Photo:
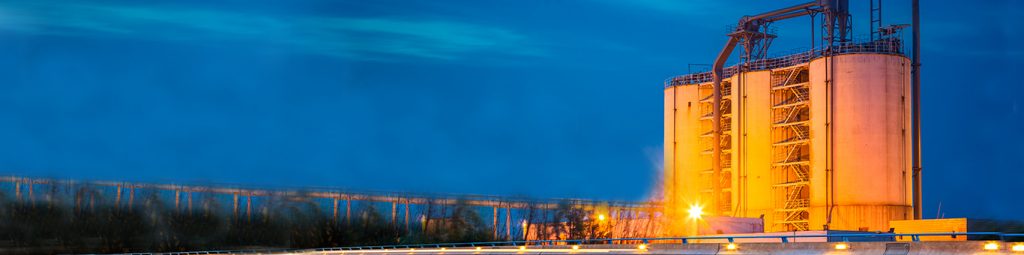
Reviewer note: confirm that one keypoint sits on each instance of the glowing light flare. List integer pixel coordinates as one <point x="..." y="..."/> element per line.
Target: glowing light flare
<point x="575" y="247"/>
<point x="730" y="246"/>
<point x="842" y="246"/>
<point x="479" y="248"/>
<point x="600" y="217"/>
<point x="1017" y="247"/>
<point x="642" y="247"/>
<point x="695" y="211"/>
<point x="522" y="248"/>
<point x="991" y="246"/>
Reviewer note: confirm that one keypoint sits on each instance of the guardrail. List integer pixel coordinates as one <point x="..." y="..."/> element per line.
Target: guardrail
<point x="839" y="237"/>
<point x="792" y="58"/>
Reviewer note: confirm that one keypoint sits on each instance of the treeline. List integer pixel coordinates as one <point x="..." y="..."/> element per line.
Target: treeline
<point x="60" y="226"/>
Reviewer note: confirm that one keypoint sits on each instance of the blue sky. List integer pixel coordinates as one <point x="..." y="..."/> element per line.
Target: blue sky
<point x="542" y="98"/>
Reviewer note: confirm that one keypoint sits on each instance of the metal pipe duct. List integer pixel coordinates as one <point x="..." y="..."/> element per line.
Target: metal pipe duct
<point x="915" y="83"/>
<point x="716" y="106"/>
<point x="746" y="24"/>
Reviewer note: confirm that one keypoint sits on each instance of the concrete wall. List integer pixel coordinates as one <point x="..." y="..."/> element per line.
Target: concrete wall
<point x="933" y="226"/>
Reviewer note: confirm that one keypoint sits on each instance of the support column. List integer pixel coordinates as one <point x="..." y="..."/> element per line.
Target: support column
<point x="131" y="197"/>
<point x="78" y="200"/>
<point x="248" y="207"/>
<point x="234" y="210"/>
<point x="177" y="200"/>
<point x="189" y="194"/>
<point x="117" y="201"/>
<point x="335" y="217"/>
<point x="406" y="215"/>
<point x="348" y="210"/>
<point x="394" y="213"/>
<point x="915" y="112"/>
<point x="17" y="190"/>
<point x="508" y="222"/>
<point x="495" y="210"/>
<point x="92" y="200"/>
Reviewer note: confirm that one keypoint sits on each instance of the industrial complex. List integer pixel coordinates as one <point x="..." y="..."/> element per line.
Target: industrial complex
<point x="824" y="139"/>
<point x="813" y="152"/>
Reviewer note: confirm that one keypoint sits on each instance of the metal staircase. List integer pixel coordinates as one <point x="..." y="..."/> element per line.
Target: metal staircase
<point x="791" y="149"/>
<point x="706" y="140"/>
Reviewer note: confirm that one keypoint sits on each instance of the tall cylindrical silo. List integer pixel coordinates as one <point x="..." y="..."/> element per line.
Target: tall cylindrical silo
<point x="860" y="142"/>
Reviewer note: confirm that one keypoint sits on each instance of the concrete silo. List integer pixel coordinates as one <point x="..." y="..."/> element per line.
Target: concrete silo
<point x="808" y="141"/>
<point x="862" y="139"/>
<point x="816" y="140"/>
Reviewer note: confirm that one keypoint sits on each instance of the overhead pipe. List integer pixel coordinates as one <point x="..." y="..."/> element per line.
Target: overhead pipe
<point x="747" y="23"/>
<point x="716" y="136"/>
<point x="915" y="84"/>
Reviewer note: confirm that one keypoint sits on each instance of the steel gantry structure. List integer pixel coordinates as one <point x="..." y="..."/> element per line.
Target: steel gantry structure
<point x="507" y="212"/>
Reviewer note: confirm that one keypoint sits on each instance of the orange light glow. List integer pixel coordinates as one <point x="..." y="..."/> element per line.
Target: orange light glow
<point x="695" y="211"/>
<point x="1017" y="247"/>
<point x="991" y="246"/>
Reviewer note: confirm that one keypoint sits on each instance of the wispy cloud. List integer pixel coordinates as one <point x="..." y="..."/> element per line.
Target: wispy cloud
<point x="700" y="8"/>
<point x="351" y="37"/>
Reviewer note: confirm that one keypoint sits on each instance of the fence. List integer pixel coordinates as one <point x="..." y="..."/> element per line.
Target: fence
<point x="887" y="45"/>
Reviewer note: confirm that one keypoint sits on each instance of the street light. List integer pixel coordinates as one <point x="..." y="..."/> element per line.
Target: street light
<point x="695" y="211"/>
<point x="991" y="246"/>
<point x="525" y="234"/>
<point x="842" y="246"/>
<point x="600" y="217"/>
<point x="1017" y="247"/>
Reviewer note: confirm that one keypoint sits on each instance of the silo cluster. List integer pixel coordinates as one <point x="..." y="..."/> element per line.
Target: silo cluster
<point x="809" y="141"/>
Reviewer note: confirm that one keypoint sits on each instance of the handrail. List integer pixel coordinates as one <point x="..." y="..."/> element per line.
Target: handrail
<point x="841" y="237"/>
<point x="846" y="237"/>
<point x="793" y="57"/>
<point x="339" y="193"/>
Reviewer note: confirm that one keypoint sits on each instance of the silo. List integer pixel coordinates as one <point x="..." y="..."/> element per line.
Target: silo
<point x="750" y="138"/>
<point x="860" y="143"/>
<point x="682" y="150"/>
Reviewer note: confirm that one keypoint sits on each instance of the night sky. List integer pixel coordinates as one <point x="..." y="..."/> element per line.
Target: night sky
<point x="541" y="98"/>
